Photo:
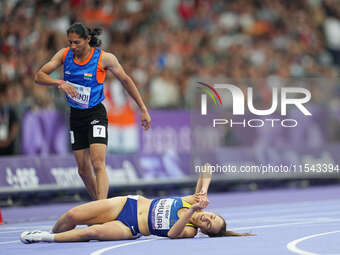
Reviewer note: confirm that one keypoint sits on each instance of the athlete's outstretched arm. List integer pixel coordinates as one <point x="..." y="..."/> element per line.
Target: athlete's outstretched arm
<point x="202" y="186"/>
<point x="110" y="62"/>
<point x="204" y="180"/>
<point x="42" y="77"/>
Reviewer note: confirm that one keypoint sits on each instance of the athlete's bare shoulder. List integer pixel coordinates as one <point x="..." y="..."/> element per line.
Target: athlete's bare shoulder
<point x="105" y="53"/>
<point x="62" y="51"/>
<point x="59" y="56"/>
<point x="109" y="60"/>
<point x="108" y="56"/>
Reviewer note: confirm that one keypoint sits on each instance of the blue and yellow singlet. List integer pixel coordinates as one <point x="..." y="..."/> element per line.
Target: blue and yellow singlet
<point x="163" y="214"/>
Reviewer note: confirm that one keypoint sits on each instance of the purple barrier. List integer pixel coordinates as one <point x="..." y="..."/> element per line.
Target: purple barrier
<point x="170" y="131"/>
<point x="262" y="162"/>
<point x="44" y="132"/>
<point x="60" y="172"/>
<point x="29" y="173"/>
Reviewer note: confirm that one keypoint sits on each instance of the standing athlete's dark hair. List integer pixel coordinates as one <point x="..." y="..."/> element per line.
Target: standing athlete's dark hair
<point x="84" y="32"/>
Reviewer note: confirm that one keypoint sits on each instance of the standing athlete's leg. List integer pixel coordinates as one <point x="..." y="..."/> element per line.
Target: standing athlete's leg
<point x="96" y="212"/>
<point x="85" y="171"/>
<point x="98" y="154"/>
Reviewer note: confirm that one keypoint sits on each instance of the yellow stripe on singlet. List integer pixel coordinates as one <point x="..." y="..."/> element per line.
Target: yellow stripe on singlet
<point x="187" y="205"/>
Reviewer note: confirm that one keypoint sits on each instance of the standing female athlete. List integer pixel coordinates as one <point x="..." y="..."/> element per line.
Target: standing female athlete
<point x="85" y="67"/>
<point x="129" y="217"/>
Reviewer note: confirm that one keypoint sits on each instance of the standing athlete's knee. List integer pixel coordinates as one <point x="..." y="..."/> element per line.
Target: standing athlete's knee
<point x="84" y="169"/>
<point x="81" y="172"/>
<point x="98" y="164"/>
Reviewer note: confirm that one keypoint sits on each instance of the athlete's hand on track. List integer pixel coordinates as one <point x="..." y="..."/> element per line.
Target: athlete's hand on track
<point x="146" y="120"/>
<point x="68" y="89"/>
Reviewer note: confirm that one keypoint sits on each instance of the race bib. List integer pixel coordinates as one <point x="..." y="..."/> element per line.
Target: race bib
<point x="72" y="137"/>
<point x="99" y="131"/>
<point x="83" y="97"/>
<point x="162" y="214"/>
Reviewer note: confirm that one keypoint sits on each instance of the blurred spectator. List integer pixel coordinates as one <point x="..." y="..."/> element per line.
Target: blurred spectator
<point x="122" y="128"/>
<point x="9" y="125"/>
<point x="332" y="29"/>
<point x="164" y="92"/>
<point x="168" y="45"/>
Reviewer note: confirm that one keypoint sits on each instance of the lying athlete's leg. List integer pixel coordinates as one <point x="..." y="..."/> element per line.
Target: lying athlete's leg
<point x="96" y="212"/>
<point x="109" y="231"/>
<point x="98" y="153"/>
<point x="85" y="171"/>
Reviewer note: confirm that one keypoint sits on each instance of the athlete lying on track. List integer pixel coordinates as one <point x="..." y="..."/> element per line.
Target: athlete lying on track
<point x="129" y="217"/>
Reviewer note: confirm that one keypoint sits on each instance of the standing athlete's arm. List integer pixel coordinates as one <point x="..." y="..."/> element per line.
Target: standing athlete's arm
<point x="202" y="186"/>
<point x="110" y="62"/>
<point x="204" y="180"/>
<point x="42" y="77"/>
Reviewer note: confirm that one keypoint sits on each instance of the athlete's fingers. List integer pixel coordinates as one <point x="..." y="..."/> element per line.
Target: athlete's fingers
<point x="147" y="124"/>
<point x="146" y="120"/>
<point x="202" y="204"/>
<point x="74" y="92"/>
<point x="71" y="91"/>
<point x="205" y="203"/>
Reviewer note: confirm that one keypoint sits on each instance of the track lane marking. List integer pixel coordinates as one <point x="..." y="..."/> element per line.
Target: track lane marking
<point x="101" y="251"/>
<point x="292" y="245"/>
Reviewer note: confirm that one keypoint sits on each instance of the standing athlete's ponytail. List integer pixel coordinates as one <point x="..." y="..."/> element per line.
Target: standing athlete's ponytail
<point x="95" y="42"/>
<point x="84" y="32"/>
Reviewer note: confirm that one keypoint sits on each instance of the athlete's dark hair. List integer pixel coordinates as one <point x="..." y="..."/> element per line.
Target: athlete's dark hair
<point x="224" y="232"/>
<point x="83" y="31"/>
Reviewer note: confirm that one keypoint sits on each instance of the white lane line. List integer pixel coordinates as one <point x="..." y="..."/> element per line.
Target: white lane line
<point x="18" y="231"/>
<point x="326" y="220"/>
<point x="101" y="251"/>
<point x="274" y="206"/>
<point x="289" y="224"/>
<point x="292" y="245"/>
<point x="24" y="227"/>
<point x="284" y="217"/>
<point x="17" y="241"/>
<point x="270" y="211"/>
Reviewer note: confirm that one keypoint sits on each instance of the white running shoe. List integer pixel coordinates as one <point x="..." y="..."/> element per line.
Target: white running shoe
<point x="34" y="236"/>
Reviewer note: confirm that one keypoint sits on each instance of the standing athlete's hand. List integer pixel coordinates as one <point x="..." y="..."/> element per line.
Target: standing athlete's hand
<point x="198" y="206"/>
<point x="145" y="119"/>
<point x="68" y="89"/>
<point x="202" y="196"/>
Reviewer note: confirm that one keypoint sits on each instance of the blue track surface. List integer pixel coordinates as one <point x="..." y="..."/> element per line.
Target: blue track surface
<point x="285" y="221"/>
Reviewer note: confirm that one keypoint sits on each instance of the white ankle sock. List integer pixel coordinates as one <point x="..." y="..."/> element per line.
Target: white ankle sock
<point x="48" y="237"/>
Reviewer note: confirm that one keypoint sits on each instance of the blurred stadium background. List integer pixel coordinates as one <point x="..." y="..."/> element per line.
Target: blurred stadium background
<point x="165" y="46"/>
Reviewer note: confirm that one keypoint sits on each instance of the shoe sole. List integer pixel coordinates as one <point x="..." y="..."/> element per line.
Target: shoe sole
<point x="22" y="237"/>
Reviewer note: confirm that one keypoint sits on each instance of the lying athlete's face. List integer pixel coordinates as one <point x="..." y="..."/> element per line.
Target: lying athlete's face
<point x="208" y="222"/>
<point x="77" y="44"/>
